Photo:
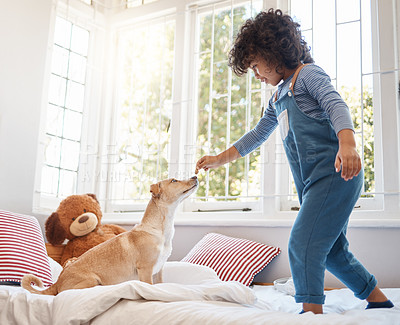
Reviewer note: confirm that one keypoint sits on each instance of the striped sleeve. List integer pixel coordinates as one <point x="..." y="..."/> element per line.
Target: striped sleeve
<point x="255" y="137"/>
<point x="317" y="83"/>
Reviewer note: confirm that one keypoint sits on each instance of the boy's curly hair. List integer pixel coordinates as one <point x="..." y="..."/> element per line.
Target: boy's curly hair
<point x="272" y="35"/>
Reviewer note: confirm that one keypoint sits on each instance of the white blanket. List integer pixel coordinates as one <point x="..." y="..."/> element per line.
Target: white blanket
<point x="81" y="306"/>
<point x="191" y="295"/>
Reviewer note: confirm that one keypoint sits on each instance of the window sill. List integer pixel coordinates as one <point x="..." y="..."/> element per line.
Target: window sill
<point x="359" y="219"/>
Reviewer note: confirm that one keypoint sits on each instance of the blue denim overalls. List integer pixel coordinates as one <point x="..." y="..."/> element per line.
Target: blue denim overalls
<point x="318" y="237"/>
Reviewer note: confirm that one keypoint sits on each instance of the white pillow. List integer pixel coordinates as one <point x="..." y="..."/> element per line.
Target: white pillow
<point x="188" y="273"/>
<point x="56" y="269"/>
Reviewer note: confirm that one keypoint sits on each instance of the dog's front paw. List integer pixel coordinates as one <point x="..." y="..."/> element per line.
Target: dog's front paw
<point x="69" y="261"/>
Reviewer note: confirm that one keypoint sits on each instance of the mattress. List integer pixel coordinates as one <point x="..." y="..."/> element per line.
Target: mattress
<point x="186" y="298"/>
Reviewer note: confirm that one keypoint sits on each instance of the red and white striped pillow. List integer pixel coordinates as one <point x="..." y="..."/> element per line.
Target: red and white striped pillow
<point x="22" y="249"/>
<point x="233" y="259"/>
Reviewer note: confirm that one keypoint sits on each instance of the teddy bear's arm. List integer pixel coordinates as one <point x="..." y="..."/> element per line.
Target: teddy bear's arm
<point x="68" y="253"/>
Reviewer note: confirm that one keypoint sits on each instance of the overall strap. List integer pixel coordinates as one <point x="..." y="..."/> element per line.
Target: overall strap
<point x="293" y="80"/>
<point x="296" y="74"/>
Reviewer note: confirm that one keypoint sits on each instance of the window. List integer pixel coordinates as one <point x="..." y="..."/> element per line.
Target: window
<point x="165" y="96"/>
<point x="227" y="106"/>
<point x="137" y="3"/>
<point x="141" y="130"/>
<point x="341" y="43"/>
<point x="65" y="110"/>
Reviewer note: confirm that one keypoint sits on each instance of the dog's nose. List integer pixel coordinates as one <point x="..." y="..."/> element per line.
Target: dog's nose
<point x="194" y="177"/>
<point x="83" y="219"/>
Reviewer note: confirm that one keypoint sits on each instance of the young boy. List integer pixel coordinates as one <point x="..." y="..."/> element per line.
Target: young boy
<point x="317" y="133"/>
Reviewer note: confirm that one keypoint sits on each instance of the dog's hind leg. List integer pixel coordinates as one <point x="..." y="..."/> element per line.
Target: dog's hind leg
<point x="88" y="282"/>
<point x="145" y="274"/>
<point x="157" y="278"/>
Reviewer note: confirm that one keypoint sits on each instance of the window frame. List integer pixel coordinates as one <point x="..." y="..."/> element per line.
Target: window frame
<point x="385" y="202"/>
<point x="79" y="14"/>
<point x="181" y="163"/>
<point x="191" y="205"/>
<point x="376" y="202"/>
<point x="117" y="34"/>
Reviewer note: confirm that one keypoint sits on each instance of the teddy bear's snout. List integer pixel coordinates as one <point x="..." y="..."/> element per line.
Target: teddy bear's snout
<point x="83" y="219"/>
<point x="84" y="224"/>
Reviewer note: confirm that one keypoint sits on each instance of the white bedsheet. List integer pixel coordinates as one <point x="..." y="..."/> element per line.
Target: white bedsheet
<point x="81" y="306"/>
<point x="207" y="301"/>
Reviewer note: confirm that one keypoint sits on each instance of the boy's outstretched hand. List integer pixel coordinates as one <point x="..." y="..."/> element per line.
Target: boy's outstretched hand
<point x="206" y="163"/>
<point x="224" y="157"/>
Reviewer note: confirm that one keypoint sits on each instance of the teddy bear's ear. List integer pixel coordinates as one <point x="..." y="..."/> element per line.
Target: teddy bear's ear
<point x="155" y="190"/>
<point x="93" y="196"/>
<point x="55" y="232"/>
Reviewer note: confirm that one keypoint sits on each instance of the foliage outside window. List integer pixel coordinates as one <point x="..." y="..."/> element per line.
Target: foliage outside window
<point x="228" y="106"/>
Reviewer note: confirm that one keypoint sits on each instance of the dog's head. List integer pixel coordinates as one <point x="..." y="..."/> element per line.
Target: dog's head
<point x="172" y="190"/>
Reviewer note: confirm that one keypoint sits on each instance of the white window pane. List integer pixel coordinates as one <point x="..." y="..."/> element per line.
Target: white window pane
<point x="54" y="120"/>
<point x="66" y="90"/>
<point x="348" y="10"/>
<point x="308" y="37"/>
<point x="70" y="155"/>
<point x="59" y="63"/>
<point x="72" y="125"/>
<point x="62" y="33"/>
<point x="67" y="183"/>
<point x="301" y="11"/>
<point x="75" y="96"/>
<point x="52" y="151"/>
<point x="366" y="25"/>
<point x="144" y="109"/>
<point x="80" y="40"/>
<point x="324" y="36"/>
<point x="57" y="88"/>
<point x="133" y="3"/>
<point x="348" y="55"/>
<point x="49" y="180"/>
<point x="77" y="68"/>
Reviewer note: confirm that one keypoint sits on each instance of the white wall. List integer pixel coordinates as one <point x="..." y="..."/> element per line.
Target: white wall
<point x="24" y="27"/>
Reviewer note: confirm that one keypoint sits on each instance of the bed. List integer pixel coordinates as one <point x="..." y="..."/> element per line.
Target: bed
<point x="191" y="294"/>
<point x="211" y="285"/>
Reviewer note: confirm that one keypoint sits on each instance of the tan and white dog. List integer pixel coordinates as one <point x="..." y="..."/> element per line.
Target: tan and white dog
<point x="138" y="254"/>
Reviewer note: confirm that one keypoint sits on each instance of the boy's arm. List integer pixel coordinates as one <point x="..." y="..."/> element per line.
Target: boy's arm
<point x="247" y="143"/>
<point x="347" y="156"/>
<point x="224" y="157"/>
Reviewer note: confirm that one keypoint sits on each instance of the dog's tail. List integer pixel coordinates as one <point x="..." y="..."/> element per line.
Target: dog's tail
<point x="29" y="278"/>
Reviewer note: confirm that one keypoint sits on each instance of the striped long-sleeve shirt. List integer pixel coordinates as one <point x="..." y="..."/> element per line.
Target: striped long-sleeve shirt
<point x="315" y="96"/>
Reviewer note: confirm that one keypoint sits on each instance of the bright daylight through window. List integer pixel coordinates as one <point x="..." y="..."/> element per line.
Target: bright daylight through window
<point x="65" y="109"/>
<point x="140" y="149"/>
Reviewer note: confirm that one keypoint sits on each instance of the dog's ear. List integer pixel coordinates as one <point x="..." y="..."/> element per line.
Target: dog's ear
<point x="55" y="232"/>
<point x="155" y="190"/>
<point x="93" y="196"/>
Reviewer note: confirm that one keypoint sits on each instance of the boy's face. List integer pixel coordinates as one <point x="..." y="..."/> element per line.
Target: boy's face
<point x="265" y="73"/>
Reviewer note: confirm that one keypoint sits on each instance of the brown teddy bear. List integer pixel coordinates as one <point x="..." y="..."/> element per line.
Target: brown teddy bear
<point x="78" y="219"/>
